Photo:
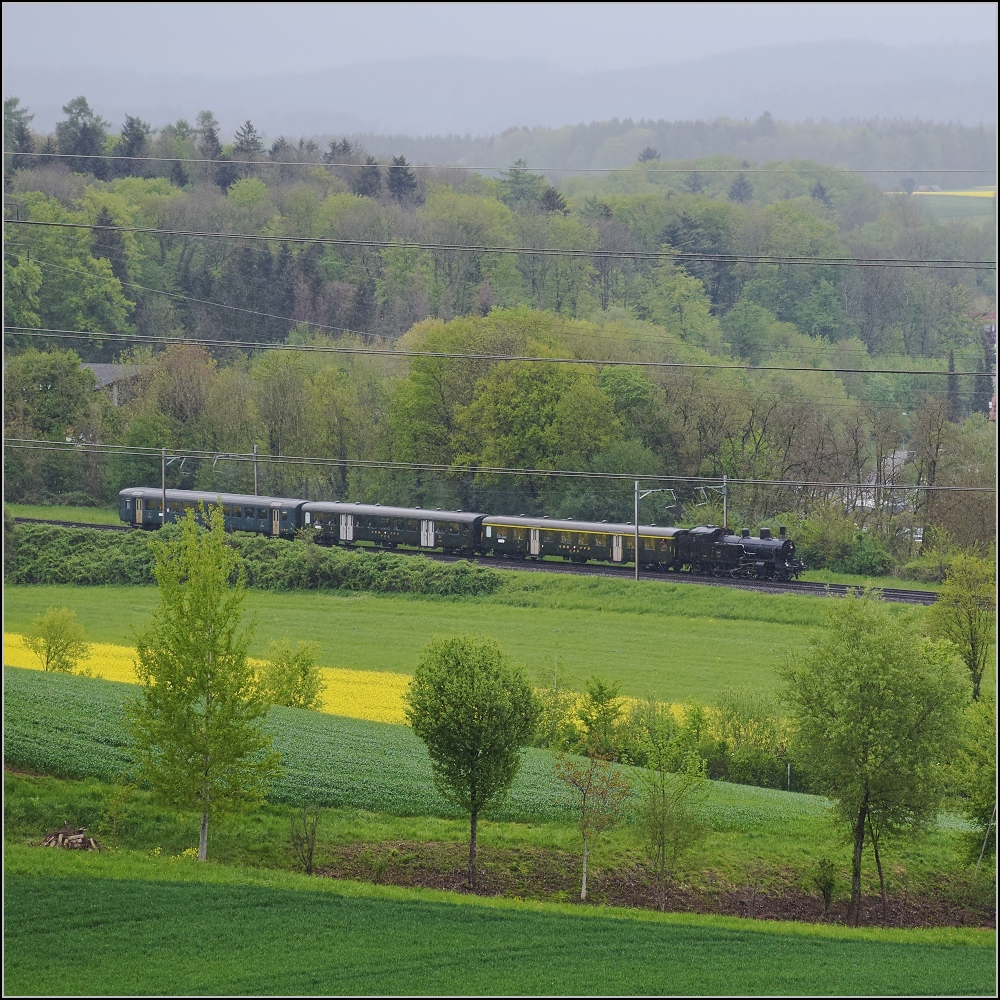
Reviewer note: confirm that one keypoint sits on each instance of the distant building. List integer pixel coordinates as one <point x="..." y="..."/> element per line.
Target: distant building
<point x="120" y="382"/>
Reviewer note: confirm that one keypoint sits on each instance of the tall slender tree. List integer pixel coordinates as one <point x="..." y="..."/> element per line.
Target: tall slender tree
<point x="198" y="723"/>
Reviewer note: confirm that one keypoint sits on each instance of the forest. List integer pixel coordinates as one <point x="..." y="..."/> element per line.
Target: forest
<point x="357" y="326"/>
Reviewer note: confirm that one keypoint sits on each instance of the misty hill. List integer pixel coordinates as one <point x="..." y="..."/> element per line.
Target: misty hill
<point x="831" y="81"/>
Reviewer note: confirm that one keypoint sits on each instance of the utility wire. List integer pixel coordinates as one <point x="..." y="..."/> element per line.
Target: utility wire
<point x="460" y="356"/>
<point x="88" y="447"/>
<point x="539" y="251"/>
<point x="514" y="167"/>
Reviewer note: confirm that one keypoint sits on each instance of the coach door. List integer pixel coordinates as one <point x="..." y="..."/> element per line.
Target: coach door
<point x="534" y="542"/>
<point x="427" y="534"/>
<point x="616" y="548"/>
<point x="347" y="527"/>
<point x="138" y="509"/>
<point x="275" y="521"/>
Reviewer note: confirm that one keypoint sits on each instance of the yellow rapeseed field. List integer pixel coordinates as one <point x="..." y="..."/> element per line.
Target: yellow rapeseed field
<point x="358" y="694"/>
<point x="973" y="193"/>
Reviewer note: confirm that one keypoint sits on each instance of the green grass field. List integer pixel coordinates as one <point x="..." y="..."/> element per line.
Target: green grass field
<point x="82" y="515"/>
<point x="672" y="641"/>
<point x="144" y="926"/>
<point x="376" y="781"/>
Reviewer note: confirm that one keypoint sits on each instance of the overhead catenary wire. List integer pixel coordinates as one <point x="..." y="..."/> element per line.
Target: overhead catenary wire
<point x="37" y="444"/>
<point x="644" y="166"/>
<point x="592" y="335"/>
<point x="460" y="355"/>
<point x="595" y="253"/>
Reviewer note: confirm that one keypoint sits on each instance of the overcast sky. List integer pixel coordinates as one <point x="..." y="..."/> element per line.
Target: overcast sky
<point x="250" y="39"/>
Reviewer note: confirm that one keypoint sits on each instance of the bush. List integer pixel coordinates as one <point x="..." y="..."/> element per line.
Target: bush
<point x="85" y="557"/>
<point x="866" y="557"/>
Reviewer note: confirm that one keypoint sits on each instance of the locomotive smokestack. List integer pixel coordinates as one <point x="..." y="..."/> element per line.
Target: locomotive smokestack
<point x="744" y="533"/>
<point x="782" y="531"/>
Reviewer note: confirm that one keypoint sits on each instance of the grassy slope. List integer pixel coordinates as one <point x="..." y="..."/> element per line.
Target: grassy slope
<point x="145" y="927"/>
<point x="82" y="515"/>
<point x="674" y="641"/>
<point x="370" y="772"/>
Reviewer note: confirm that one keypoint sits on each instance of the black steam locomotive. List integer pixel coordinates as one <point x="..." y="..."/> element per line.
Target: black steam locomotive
<point x="706" y="550"/>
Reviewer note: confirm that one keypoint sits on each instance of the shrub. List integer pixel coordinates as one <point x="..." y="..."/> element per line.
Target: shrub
<point x="57" y="639"/>
<point x="51" y="555"/>
<point x="291" y="677"/>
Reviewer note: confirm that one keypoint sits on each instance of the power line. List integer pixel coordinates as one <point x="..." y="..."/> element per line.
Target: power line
<point x="460" y="356"/>
<point x="538" y="251"/>
<point x="595" y="335"/>
<point x="132" y="451"/>
<point x="512" y="167"/>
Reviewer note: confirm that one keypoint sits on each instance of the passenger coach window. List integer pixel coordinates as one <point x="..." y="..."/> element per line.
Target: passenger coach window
<point x="237" y="512"/>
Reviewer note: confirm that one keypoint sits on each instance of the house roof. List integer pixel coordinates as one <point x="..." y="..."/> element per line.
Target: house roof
<point x="108" y="374"/>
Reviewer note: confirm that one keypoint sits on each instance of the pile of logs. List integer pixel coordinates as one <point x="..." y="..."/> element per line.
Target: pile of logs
<point x="71" y="839"/>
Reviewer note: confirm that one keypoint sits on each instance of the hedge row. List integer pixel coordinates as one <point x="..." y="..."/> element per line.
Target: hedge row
<point x="43" y="554"/>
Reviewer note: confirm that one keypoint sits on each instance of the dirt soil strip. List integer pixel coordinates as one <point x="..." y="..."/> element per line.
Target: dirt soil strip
<point x="532" y="873"/>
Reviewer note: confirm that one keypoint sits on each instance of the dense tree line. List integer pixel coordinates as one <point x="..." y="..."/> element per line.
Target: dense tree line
<point x="858" y="427"/>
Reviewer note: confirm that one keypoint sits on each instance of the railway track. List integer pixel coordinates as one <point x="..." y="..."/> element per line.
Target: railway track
<point x="891" y="594"/>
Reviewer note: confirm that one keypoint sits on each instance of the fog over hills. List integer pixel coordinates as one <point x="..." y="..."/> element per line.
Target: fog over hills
<point x="454" y="95"/>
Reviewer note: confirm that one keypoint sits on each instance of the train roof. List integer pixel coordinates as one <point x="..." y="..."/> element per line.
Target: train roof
<point x="379" y="510"/>
<point x="598" y="527"/>
<point x="210" y="496"/>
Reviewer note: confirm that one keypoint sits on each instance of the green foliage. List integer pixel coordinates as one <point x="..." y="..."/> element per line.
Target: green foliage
<point x="600" y="793"/>
<point x="198" y="723"/>
<point x="46" y="392"/>
<point x="866" y="558"/>
<point x="877" y="716"/>
<point x="669" y="814"/>
<point x="752" y="740"/>
<point x="965" y="614"/>
<point x="57" y="639"/>
<point x="475" y="712"/>
<point x="825" y="880"/>
<point x="976" y="772"/>
<point x="291" y="677"/>
<point x="52" y="555"/>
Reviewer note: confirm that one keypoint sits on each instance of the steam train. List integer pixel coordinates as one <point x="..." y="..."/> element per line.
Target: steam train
<point x="706" y="550"/>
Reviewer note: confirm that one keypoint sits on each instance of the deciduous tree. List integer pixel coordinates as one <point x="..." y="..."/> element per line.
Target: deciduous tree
<point x="57" y="639"/>
<point x="965" y="614"/>
<point x="198" y="724"/>
<point x="475" y="711"/>
<point x="878" y="716"/>
<point x="601" y="794"/>
<point x="291" y="676"/>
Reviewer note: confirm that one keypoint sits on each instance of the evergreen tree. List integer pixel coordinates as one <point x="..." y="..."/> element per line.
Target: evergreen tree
<point x="520" y="190"/>
<point x="82" y="134"/>
<point x="400" y="181"/>
<point x="248" y="144"/>
<point x="552" y="201"/>
<point x="134" y="138"/>
<point x="109" y="244"/>
<point x="741" y="189"/>
<point x="17" y="137"/>
<point x="367" y="180"/>
<point x="208" y="136"/>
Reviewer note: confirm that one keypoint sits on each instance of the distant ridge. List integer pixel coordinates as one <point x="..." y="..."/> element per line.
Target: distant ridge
<point x="419" y="97"/>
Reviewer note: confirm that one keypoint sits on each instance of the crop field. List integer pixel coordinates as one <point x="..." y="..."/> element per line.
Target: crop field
<point x="72" y="727"/>
<point x="152" y="926"/>
<point x="672" y="641"/>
